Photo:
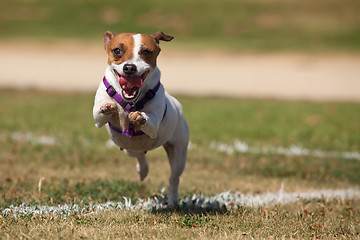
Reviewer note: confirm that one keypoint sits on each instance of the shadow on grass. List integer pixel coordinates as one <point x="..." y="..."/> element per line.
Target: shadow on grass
<point x="192" y="210"/>
<point x="189" y="204"/>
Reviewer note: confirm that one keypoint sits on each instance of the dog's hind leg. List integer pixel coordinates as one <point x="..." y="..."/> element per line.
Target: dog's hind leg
<point x="176" y="150"/>
<point x="142" y="167"/>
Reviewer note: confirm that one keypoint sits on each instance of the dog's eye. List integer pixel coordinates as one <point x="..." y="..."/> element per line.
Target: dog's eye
<point x="146" y="52"/>
<point x="117" y="52"/>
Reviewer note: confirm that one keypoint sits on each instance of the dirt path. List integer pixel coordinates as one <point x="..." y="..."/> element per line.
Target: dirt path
<point x="77" y="67"/>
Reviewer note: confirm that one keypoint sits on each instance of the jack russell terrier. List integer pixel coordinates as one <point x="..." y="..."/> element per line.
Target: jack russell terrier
<point x="138" y="113"/>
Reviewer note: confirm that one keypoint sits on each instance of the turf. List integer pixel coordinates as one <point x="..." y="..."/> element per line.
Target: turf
<point x="238" y="25"/>
<point x="52" y="136"/>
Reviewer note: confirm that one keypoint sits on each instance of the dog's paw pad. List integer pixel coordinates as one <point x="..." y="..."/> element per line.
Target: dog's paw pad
<point x="108" y="108"/>
<point x="137" y="118"/>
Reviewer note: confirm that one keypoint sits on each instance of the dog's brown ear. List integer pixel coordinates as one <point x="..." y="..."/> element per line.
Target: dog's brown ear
<point x="162" y="36"/>
<point x="107" y="37"/>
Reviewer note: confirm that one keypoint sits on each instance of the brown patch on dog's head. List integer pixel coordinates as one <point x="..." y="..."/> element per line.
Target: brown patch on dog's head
<point x="150" y="48"/>
<point x="119" y="46"/>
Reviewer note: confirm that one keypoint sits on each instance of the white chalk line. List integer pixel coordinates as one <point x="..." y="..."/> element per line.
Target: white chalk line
<point x="294" y="150"/>
<point x="224" y="201"/>
<point x="29" y="137"/>
<point x="236" y="147"/>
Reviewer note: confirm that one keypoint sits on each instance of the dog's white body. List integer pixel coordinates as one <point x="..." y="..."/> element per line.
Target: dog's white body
<point x="161" y="118"/>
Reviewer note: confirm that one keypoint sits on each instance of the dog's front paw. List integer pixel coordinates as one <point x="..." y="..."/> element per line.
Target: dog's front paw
<point x="137" y="118"/>
<point x="108" y="108"/>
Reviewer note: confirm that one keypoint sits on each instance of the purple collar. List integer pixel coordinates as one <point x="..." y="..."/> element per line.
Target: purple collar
<point x="150" y="94"/>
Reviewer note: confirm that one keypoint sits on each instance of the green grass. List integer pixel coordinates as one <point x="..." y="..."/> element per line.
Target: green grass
<point x="79" y="168"/>
<point x="327" y="126"/>
<point x="242" y="25"/>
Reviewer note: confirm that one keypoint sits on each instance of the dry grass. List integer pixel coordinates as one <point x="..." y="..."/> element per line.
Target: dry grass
<point x="79" y="167"/>
<point x="328" y="219"/>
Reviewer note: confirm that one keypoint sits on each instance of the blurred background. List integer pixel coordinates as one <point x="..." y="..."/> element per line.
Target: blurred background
<point x="278" y="49"/>
<point x="230" y="24"/>
<point x="270" y="89"/>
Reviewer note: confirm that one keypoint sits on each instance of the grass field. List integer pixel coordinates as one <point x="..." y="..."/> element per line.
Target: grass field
<point x="51" y="154"/>
<point x="51" y="136"/>
<point x="324" y="25"/>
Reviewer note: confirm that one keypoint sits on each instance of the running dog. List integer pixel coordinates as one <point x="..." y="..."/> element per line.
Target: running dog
<point x="138" y="113"/>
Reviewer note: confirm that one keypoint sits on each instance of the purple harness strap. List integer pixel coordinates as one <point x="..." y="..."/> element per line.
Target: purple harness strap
<point x="131" y="131"/>
<point x="150" y="94"/>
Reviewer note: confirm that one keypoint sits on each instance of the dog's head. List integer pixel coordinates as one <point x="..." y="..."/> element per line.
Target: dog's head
<point x="132" y="57"/>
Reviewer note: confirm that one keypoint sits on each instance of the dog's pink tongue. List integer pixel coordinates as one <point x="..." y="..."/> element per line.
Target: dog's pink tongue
<point x="129" y="83"/>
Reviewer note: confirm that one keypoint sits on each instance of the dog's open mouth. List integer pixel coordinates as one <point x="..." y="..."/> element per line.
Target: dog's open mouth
<point x="130" y="85"/>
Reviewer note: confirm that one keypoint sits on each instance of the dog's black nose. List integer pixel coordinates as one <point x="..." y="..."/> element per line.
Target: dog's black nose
<point x="129" y="69"/>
